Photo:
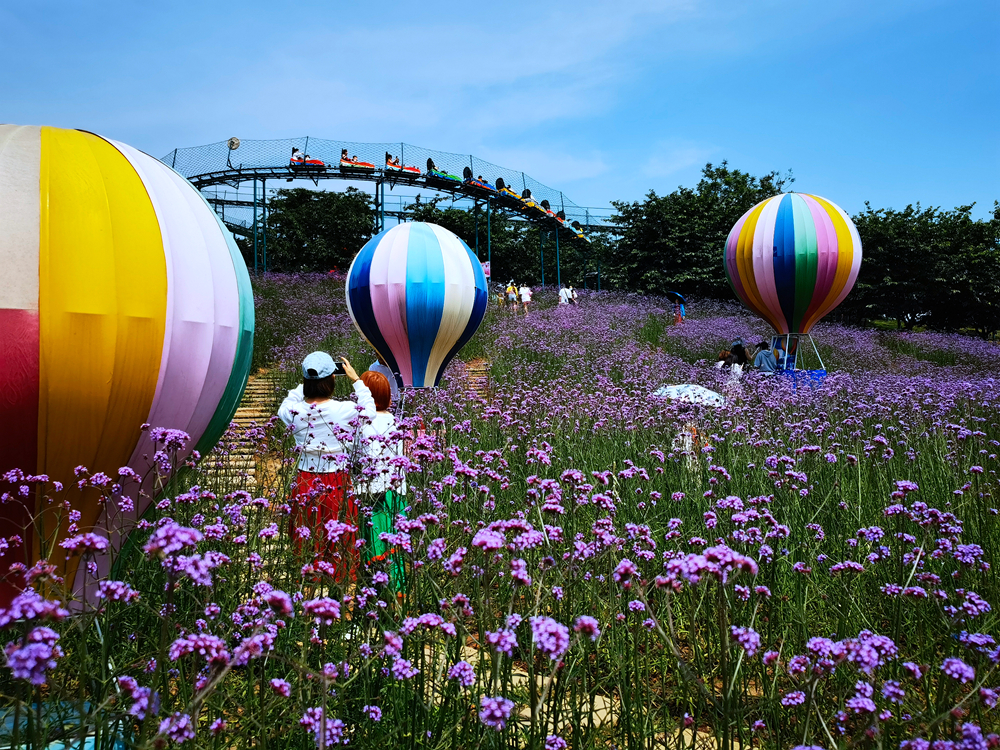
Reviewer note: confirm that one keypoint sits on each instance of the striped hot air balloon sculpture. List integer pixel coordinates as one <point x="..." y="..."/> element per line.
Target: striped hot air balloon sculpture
<point x="792" y="259"/>
<point x="417" y="294"/>
<point x="123" y="301"/>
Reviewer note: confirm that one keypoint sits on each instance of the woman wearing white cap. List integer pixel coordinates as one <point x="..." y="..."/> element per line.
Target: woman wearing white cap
<point x="324" y="434"/>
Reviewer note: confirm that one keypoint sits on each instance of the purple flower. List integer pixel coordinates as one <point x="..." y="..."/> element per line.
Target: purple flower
<point x="464" y="673"/>
<point x="280" y="602"/>
<point x="794" y="699"/>
<point x="374" y="712"/>
<point x="494" y="712"/>
<point x="116" y="591"/>
<point x="324" y="609"/>
<point x="587" y="626"/>
<point x="916" y="672"/>
<point x="85" y="543"/>
<point x="178" y="728"/>
<point x="555" y="742"/>
<point x="892" y="691"/>
<point x="170" y="539"/>
<point x="403" y="669"/>
<point x="314" y="719"/>
<point x="550" y="637"/>
<point x="145" y="701"/>
<point x="30" y="605"/>
<point x="211" y="647"/>
<point x="38" y="654"/>
<point x="488" y="539"/>
<point x="748" y="638"/>
<point x="624" y="571"/>
<point x="281" y="687"/>
<point x="519" y="572"/>
<point x="958" y="670"/>
<point x="503" y="641"/>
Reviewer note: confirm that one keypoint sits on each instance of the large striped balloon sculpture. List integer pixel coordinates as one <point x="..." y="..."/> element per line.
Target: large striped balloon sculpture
<point x="792" y="259"/>
<point x="123" y="301"/>
<point x="417" y="294"/>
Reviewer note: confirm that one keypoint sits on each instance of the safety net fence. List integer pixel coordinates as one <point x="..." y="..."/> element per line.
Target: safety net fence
<point x="217" y="158"/>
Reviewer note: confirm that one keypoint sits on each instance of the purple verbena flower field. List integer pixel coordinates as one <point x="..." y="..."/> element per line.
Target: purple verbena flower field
<point x="582" y="565"/>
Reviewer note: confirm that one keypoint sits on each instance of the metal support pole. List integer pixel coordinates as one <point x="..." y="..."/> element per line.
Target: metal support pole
<point x="489" y="246"/>
<point x="815" y="349"/>
<point x="263" y="223"/>
<point x="598" y="274"/>
<point x="475" y="212"/>
<point x="255" y="268"/>
<point x="381" y="218"/>
<point x="541" y="252"/>
<point x="558" y="272"/>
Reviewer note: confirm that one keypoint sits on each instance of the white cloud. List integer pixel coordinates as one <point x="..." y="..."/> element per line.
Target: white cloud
<point x="668" y="159"/>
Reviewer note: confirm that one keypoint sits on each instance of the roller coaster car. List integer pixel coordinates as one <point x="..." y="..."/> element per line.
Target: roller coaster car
<point x="349" y="165"/>
<point x="578" y="231"/>
<point x="402" y="169"/>
<point x="392" y="165"/>
<point x="561" y="217"/>
<point x="305" y="162"/>
<point x="506" y="192"/>
<point x="436" y="175"/>
<point x="544" y="207"/>
<point x="481" y="184"/>
<point x="527" y="200"/>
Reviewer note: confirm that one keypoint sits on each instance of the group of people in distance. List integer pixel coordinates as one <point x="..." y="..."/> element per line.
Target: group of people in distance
<point x="514" y="292"/>
<point x="331" y="437"/>
<point x="760" y="357"/>
<point x="568" y="295"/>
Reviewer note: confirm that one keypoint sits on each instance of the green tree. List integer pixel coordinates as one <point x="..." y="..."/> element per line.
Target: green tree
<point x="677" y="240"/>
<point x="312" y="230"/>
<point x="928" y="266"/>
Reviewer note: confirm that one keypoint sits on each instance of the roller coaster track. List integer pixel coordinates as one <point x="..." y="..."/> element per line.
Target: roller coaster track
<point x="220" y="164"/>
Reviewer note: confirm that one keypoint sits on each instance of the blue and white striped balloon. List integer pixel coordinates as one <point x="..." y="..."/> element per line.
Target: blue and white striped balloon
<point x="417" y="293"/>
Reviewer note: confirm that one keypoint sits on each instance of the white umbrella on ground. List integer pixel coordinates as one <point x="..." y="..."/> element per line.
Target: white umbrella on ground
<point x="691" y="394"/>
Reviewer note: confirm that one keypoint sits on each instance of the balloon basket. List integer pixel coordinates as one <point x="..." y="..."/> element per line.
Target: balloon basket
<point x="811" y="378"/>
<point x="793" y="356"/>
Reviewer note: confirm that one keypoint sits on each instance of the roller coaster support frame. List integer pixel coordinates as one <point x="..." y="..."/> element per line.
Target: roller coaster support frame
<point x="541" y="252"/>
<point x="489" y="246"/>
<point x="381" y="206"/>
<point x="558" y="272"/>
<point x="263" y="223"/>
<point x="256" y="268"/>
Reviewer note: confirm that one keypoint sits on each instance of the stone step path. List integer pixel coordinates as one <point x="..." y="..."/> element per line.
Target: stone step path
<point x="478" y="374"/>
<point x="235" y="460"/>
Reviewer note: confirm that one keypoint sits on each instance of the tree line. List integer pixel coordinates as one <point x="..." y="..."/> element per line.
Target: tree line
<point x="932" y="267"/>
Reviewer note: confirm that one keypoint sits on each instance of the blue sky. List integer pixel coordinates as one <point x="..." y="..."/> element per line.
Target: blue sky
<point x="885" y="101"/>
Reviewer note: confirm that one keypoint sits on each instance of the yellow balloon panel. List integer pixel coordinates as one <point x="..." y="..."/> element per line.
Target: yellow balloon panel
<point x="102" y="307"/>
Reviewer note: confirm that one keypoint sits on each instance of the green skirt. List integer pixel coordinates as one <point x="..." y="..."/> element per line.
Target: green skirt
<point x="380" y="556"/>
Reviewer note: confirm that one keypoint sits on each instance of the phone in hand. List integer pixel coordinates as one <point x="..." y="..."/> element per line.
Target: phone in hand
<point x="338" y="367"/>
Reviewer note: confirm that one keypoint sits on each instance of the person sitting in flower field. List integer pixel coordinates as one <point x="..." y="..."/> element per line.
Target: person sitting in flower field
<point x="765" y="361"/>
<point x="322" y="507"/>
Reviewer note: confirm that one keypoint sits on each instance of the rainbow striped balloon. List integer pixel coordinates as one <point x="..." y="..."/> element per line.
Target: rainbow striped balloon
<point x="792" y="259"/>
<point x="417" y="294"/>
<point x="124" y="302"/>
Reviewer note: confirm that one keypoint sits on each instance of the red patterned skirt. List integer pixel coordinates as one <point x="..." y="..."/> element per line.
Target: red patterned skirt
<point x="316" y="500"/>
